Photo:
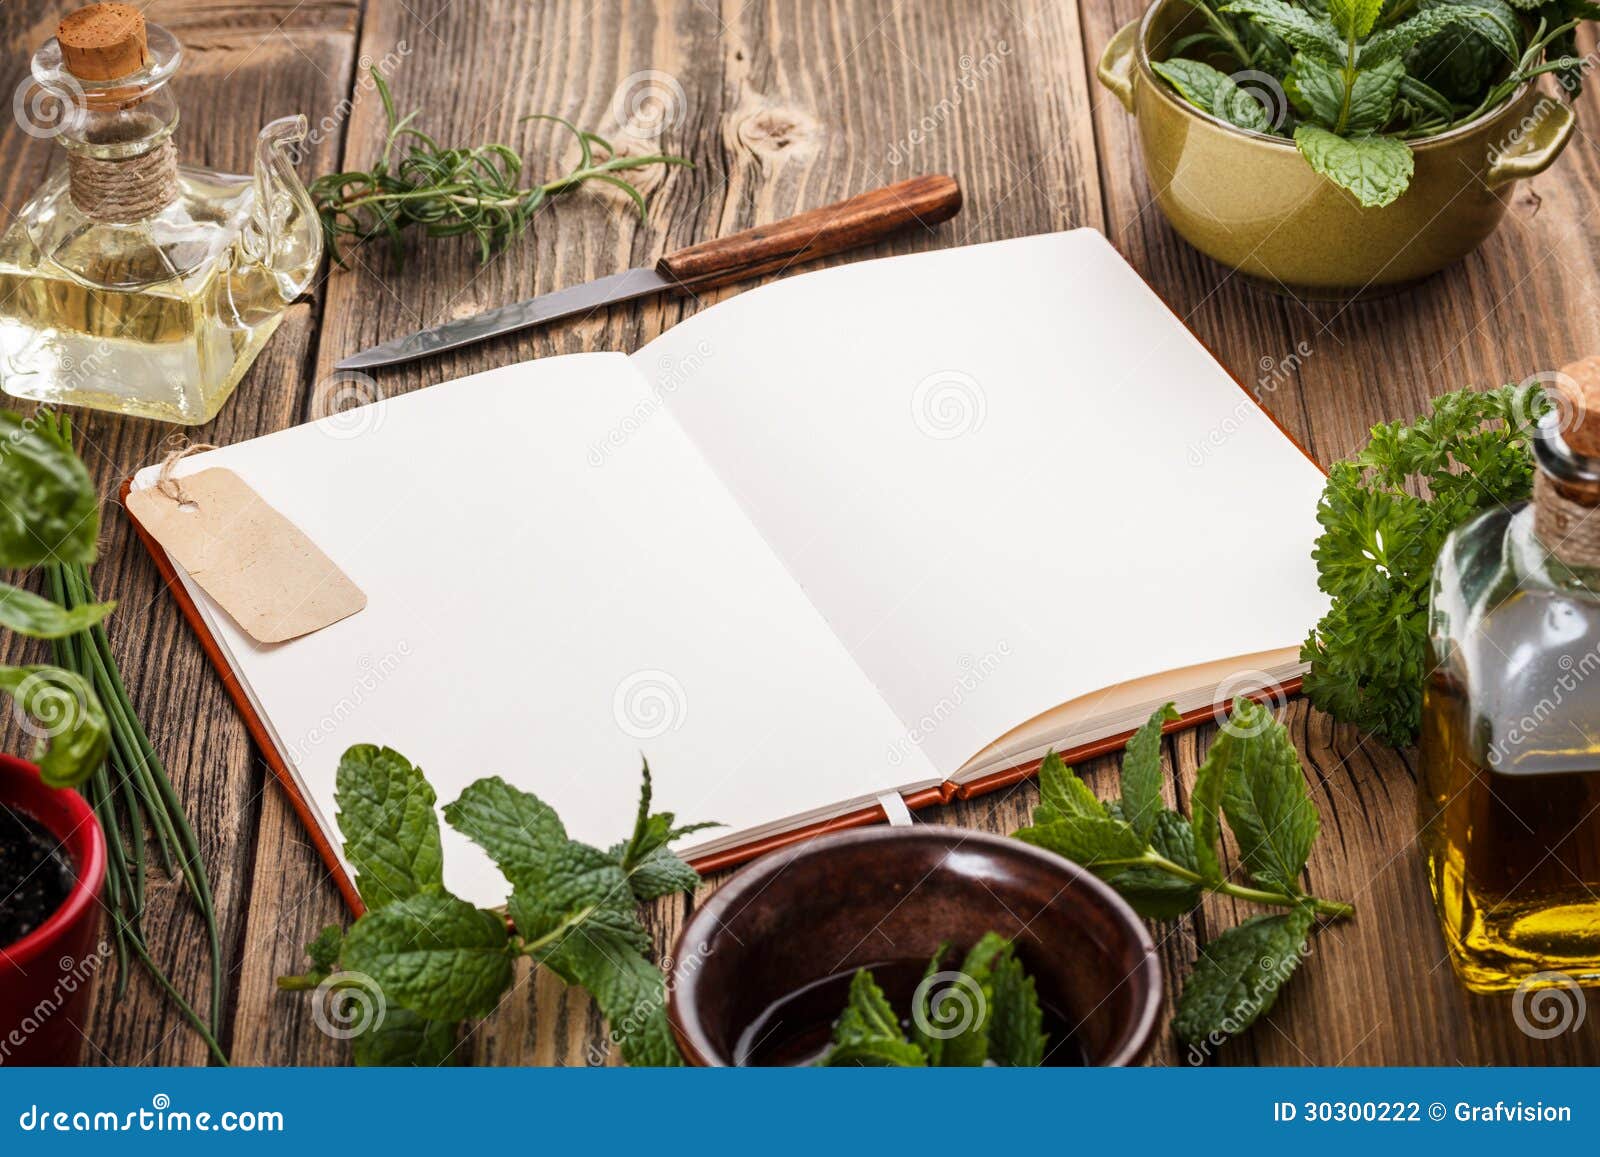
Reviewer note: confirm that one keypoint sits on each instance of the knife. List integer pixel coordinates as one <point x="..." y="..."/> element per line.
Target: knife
<point x="765" y="249"/>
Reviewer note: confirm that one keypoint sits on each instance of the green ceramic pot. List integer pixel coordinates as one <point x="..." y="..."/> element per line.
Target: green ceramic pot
<point x="1252" y="202"/>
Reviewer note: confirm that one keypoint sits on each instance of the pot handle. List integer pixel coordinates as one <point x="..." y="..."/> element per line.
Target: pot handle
<point x="1536" y="148"/>
<point x="1116" y="63"/>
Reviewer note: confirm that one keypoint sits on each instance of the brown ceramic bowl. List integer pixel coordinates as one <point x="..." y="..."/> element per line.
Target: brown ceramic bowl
<point x="761" y="968"/>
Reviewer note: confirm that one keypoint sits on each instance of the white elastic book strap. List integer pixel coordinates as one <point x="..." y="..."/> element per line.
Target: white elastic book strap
<point x="895" y="810"/>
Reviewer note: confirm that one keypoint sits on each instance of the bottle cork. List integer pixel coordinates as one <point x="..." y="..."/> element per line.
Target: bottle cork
<point x="103" y="41"/>
<point x="1579" y="386"/>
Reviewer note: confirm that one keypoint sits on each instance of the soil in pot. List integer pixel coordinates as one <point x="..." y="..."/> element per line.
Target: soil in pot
<point x="797" y="1029"/>
<point x="35" y="875"/>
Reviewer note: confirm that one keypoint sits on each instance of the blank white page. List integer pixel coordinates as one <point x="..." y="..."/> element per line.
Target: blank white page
<point x="1006" y="474"/>
<point x="543" y="612"/>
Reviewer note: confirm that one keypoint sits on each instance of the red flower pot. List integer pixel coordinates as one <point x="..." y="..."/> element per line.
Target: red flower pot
<point x="46" y="977"/>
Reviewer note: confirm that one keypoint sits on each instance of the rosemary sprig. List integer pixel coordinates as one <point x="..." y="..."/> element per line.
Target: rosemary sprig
<point x="130" y="793"/>
<point x="448" y="191"/>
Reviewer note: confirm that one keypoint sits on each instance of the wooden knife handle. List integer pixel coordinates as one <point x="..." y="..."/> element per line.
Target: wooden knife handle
<point x="816" y="233"/>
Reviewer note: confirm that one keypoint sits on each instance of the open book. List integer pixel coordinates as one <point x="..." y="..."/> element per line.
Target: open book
<point x="897" y="526"/>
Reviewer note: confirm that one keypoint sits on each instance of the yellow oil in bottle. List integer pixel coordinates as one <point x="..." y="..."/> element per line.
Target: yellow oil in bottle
<point x="1513" y="858"/>
<point x="130" y="282"/>
<point x="132" y="331"/>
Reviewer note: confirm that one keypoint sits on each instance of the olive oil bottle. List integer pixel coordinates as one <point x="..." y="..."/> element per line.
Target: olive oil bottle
<point x="129" y="282"/>
<point x="1510" y="743"/>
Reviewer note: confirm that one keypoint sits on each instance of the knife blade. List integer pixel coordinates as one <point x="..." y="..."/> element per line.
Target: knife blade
<point x="575" y="299"/>
<point x="771" y="248"/>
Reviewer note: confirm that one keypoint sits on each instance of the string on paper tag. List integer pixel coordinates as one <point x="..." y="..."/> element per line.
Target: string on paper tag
<point x="262" y="569"/>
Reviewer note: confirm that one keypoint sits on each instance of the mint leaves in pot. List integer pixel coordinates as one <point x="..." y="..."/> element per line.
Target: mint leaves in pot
<point x="1350" y="82"/>
<point x="423" y="960"/>
<point x="1162" y="862"/>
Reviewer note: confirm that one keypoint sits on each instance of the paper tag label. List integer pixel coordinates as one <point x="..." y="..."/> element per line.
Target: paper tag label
<point x="260" y="567"/>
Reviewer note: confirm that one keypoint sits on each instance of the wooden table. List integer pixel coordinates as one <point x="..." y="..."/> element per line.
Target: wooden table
<point x="785" y="105"/>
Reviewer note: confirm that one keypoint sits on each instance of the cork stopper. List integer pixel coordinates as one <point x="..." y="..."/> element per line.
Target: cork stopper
<point x="103" y="41"/>
<point x="1579" y="387"/>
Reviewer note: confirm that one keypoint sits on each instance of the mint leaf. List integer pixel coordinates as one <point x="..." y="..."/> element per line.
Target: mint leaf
<point x="1141" y="772"/>
<point x="74" y="734"/>
<point x="1354" y="18"/>
<point x="1297" y="26"/>
<point x="652" y="868"/>
<point x="575" y="910"/>
<point x="1265" y="798"/>
<point x="1238" y="975"/>
<point x="324" y="950"/>
<point x="391" y="834"/>
<point x="1375" y="169"/>
<point x="434" y="954"/>
<point x="1063" y="794"/>
<point x="1086" y="840"/>
<point x="630" y="991"/>
<point x="922" y="1012"/>
<point x="521" y="833"/>
<point x="1205" y="804"/>
<point x="406" y="1039"/>
<point x="1214" y="92"/>
<point x="51" y="512"/>
<point x="661" y="873"/>
<point x="1372" y="98"/>
<point x="39" y="618"/>
<point x="868" y="1032"/>
<point x="1388" y="43"/>
<point x="1016" y="1024"/>
<point x="1316" y="88"/>
<point x="1156" y="894"/>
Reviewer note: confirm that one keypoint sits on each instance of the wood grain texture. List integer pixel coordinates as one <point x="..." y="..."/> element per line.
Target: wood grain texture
<point x="784" y="106"/>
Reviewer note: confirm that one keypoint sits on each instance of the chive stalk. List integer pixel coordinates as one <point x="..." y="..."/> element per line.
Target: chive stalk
<point x="131" y="794"/>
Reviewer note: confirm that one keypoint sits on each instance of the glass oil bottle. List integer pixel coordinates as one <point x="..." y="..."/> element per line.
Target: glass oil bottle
<point x="129" y="282"/>
<point x="1510" y="744"/>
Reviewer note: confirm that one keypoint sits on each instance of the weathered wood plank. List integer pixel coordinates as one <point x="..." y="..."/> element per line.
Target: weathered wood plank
<point x="1374" y="990"/>
<point x="256" y="62"/>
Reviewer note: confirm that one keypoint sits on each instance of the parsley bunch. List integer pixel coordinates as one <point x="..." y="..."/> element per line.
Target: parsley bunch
<point x="1163" y="862"/>
<point x="437" y="960"/>
<point x="1352" y="80"/>
<point x="1385" y="514"/>
<point x="996" y="1016"/>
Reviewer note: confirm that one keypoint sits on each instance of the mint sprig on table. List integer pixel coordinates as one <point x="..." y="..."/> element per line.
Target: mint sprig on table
<point x="437" y="960"/>
<point x="1362" y="77"/>
<point x="1385" y="514"/>
<point x="987" y="1012"/>
<point x="1163" y="862"/>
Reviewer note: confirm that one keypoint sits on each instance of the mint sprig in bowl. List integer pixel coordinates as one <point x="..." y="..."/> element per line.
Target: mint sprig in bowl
<point x="1336" y="146"/>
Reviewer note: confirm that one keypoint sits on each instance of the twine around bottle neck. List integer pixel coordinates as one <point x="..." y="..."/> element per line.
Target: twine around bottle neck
<point x="124" y="190"/>
<point x="1568" y="527"/>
